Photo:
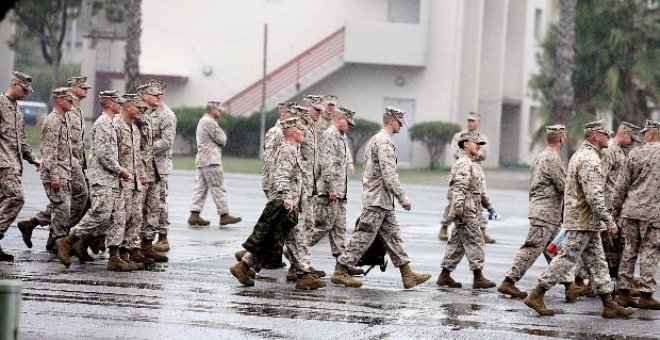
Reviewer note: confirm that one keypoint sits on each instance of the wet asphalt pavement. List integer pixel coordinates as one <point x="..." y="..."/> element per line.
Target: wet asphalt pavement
<point x="195" y="297"/>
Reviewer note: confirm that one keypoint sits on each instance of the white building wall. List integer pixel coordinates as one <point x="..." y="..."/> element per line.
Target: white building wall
<point x="6" y="54"/>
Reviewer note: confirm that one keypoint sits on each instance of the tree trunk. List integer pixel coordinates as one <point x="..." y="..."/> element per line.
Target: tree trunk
<point x="563" y="92"/>
<point x="133" y="49"/>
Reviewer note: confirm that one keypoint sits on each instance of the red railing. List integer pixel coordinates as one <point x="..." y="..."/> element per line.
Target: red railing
<point x="288" y="74"/>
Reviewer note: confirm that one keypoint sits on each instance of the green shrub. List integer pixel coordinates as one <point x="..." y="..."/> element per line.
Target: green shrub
<point x="435" y="136"/>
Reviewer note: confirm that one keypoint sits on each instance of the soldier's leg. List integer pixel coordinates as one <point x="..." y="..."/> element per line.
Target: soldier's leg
<point x="129" y="199"/>
<point x="594" y="261"/>
<point x="151" y="208"/>
<point x="649" y="257"/>
<point x="95" y="220"/>
<point x="324" y="219"/>
<point x="390" y="234"/>
<point x="116" y="224"/>
<point x="338" y="231"/>
<point x="199" y="191"/>
<point x="371" y="220"/>
<point x="164" y="220"/>
<point x="216" y="182"/>
<point x="60" y="204"/>
<point x="11" y="202"/>
<point x="455" y="251"/>
<point x="537" y="239"/>
<point x="632" y="237"/>
<point x="473" y="244"/>
<point x="446" y="221"/>
<point x="571" y="251"/>
<point x="79" y="194"/>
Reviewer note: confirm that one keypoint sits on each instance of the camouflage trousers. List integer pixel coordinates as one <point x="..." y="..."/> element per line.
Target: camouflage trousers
<point x="150" y="210"/>
<point x="297" y="242"/>
<point x="210" y="178"/>
<point x="330" y="220"/>
<point x="79" y="194"/>
<point x="538" y="238"/>
<point x="579" y="244"/>
<point x="164" y="219"/>
<point x="11" y="200"/>
<point x="133" y="203"/>
<point x="269" y="234"/>
<point x="375" y="222"/>
<point x="642" y="240"/>
<point x="58" y="211"/>
<point x="466" y="239"/>
<point x="106" y="216"/>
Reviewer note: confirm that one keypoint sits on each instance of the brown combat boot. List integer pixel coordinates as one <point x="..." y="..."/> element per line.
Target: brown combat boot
<point x="624" y="299"/>
<point x="4" y="257"/>
<point x="648" y="302"/>
<point x="229" y="219"/>
<point x="97" y="244"/>
<point x="195" y="219"/>
<point x="149" y="252"/>
<point x="26" y="227"/>
<point x="574" y="291"/>
<point x="480" y="282"/>
<point x="612" y="310"/>
<point x="411" y="279"/>
<point x="291" y="275"/>
<point x="136" y="256"/>
<point x="125" y="255"/>
<point x="252" y="274"/>
<point x="115" y="263"/>
<point x="239" y="254"/>
<point x="309" y="281"/>
<point x="50" y="242"/>
<point x="508" y="287"/>
<point x="487" y="237"/>
<point x="162" y="244"/>
<point x="535" y="301"/>
<point x="351" y="270"/>
<point x="80" y="250"/>
<point x="64" y="247"/>
<point x="341" y="277"/>
<point x="442" y="235"/>
<point x="445" y="279"/>
<point x="241" y="271"/>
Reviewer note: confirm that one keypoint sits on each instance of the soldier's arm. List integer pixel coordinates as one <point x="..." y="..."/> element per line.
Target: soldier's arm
<point x="621" y="187"/>
<point x="50" y="135"/>
<point x="217" y="134"/>
<point x="26" y="150"/>
<point x="387" y="160"/>
<point x="285" y="162"/>
<point x="556" y="173"/>
<point x="458" y="186"/>
<point x="328" y="168"/>
<point x="106" y="152"/>
<point x="168" y="128"/>
<point x="592" y="181"/>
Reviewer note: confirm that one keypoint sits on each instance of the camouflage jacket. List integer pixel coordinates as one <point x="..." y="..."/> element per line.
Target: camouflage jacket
<point x="380" y="180"/>
<point x="163" y="125"/>
<point x="637" y="191"/>
<point x="210" y="140"/>
<point x="287" y="175"/>
<point x="77" y="135"/>
<point x="457" y="152"/>
<point x="584" y="201"/>
<point x="468" y="192"/>
<point x="104" y="166"/>
<point x="128" y="144"/>
<point x="321" y="126"/>
<point x="272" y="142"/>
<point x="147" y="149"/>
<point x="613" y="159"/>
<point x="546" y="188"/>
<point x="56" y="148"/>
<point x="333" y="163"/>
<point x="13" y="145"/>
<point x="309" y="160"/>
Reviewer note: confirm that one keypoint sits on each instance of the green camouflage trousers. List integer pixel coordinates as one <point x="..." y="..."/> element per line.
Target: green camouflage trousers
<point x="11" y="200"/>
<point x="58" y="211"/>
<point x="268" y="235"/>
<point x="466" y="240"/>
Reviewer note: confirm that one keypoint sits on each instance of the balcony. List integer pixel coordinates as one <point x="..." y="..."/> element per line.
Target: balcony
<point x="386" y="43"/>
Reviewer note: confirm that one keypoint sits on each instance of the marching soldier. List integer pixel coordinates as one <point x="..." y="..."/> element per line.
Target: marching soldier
<point x="381" y="186"/>
<point x="272" y="142"/>
<point x="330" y="106"/>
<point x="210" y="175"/>
<point x="468" y="198"/>
<point x="635" y="200"/>
<point x="13" y="148"/>
<point x="585" y="212"/>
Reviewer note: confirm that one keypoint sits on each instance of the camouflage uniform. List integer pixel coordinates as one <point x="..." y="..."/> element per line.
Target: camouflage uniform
<point x="128" y="143"/>
<point x="79" y="187"/>
<point x="585" y="214"/>
<point x="546" y="195"/>
<point x="163" y="124"/>
<point x="210" y="140"/>
<point x="57" y="165"/>
<point x="151" y="193"/>
<point x="380" y="186"/>
<point x="13" y="148"/>
<point x="272" y="142"/>
<point x="635" y="200"/>
<point x="468" y="198"/>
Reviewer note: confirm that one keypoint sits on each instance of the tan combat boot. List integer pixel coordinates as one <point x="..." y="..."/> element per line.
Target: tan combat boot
<point x="309" y="281"/>
<point x="411" y="279"/>
<point x="351" y="270"/>
<point x="50" y="242"/>
<point x="229" y="219"/>
<point x="535" y="301"/>
<point x="124" y="254"/>
<point x="115" y="263"/>
<point x="241" y="271"/>
<point x="136" y="256"/>
<point x="97" y="244"/>
<point x="239" y="254"/>
<point x="624" y="299"/>
<point x="574" y="291"/>
<point x="162" y="244"/>
<point x="64" y="247"/>
<point x="612" y="310"/>
<point x="508" y="287"/>
<point x="648" y="302"/>
<point x="195" y="219"/>
<point x="445" y="279"/>
<point x="480" y="282"/>
<point x="341" y="277"/>
<point x="291" y="275"/>
<point x="80" y="250"/>
<point x="26" y="227"/>
<point x="442" y="236"/>
<point x="149" y="252"/>
<point x="487" y="237"/>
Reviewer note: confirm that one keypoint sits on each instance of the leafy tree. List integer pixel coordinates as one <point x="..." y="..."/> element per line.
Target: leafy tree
<point x="133" y="50"/>
<point x="435" y="136"/>
<point x="360" y="134"/>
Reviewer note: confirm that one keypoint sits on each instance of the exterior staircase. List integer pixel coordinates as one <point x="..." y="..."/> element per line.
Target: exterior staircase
<point x="301" y="72"/>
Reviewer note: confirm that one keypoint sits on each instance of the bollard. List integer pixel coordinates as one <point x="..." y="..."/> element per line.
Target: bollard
<point x="10" y="309"/>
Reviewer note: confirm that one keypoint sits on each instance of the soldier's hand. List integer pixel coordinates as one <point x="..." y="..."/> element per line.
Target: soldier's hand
<point x="612" y="229"/>
<point x="55" y="184"/>
<point x="124" y="174"/>
<point x="332" y="197"/>
<point x="288" y="205"/>
<point x="38" y="164"/>
<point x="351" y="170"/>
<point x="407" y="205"/>
<point x="143" y="180"/>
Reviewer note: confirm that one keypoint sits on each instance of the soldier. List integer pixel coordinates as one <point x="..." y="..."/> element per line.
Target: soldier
<point x="546" y="198"/>
<point x="473" y="123"/>
<point x="468" y="198"/>
<point x="210" y="175"/>
<point x="585" y="212"/>
<point x="106" y="216"/>
<point x="13" y="148"/>
<point x="132" y="191"/>
<point x="272" y="142"/>
<point x="281" y="213"/>
<point x="635" y="200"/>
<point x="330" y="106"/>
<point x="381" y="186"/>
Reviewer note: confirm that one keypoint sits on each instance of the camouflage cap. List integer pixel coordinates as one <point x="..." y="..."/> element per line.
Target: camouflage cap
<point x="79" y="81"/>
<point x="157" y="83"/>
<point x="149" y="88"/>
<point x="315" y="101"/>
<point x="598" y="126"/>
<point x="62" y="92"/>
<point x="555" y="129"/>
<point x="299" y="111"/>
<point x="112" y="95"/>
<point x="650" y="125"/>
<point x="23" y="79"/>
<point x="473" y="116"/>
<point x="348" y="114"/>
<point x="468" y="137"/>
<point x="215" y="104"/>
<point x="396" y="113"/>
<point x="291" y="122"/>
<point x="632" y="130"/>
<point x="330" y="100"/>
<point x="131" y="98"/>
<point x="285" y="106"/>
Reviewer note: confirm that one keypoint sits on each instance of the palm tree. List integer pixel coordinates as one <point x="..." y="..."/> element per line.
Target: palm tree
<point x="133" y="35"/>
<point x="562" y="91"/>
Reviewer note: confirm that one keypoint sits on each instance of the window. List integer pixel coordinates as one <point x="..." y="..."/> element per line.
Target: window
<point x="403" y="11"/>
<point x="538" y="24"/>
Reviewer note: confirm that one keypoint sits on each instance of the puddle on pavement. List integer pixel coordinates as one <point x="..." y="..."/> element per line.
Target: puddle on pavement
<point x="104" y="283"/>
<point x="306" y="313"/>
